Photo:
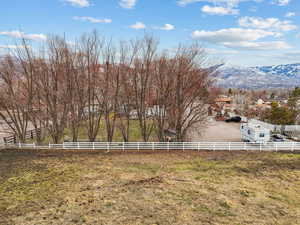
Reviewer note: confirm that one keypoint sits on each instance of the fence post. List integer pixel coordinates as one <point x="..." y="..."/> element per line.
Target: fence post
<point x="214" y="148"/>
<point x="276" y="146"/>
<point x="93" y="145"/>
<point x="77" y="145"/>
<point x="229" y="146"/>
<point x="123" y="146"/>
<point x="107" y="146"/>
<point x="245" y="147"/>
<point x="198" y="146"/>
<point x="168" y="146"/>
<point x="182" y="146"/>
<point x="138" y="146"/>
<point x="152" y="146"/>
<point x="63" y="145"/>
<point x="260" y="146"/>
<point x="293" y="146"/>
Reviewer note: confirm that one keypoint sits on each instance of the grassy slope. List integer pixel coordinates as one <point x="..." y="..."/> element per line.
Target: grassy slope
<point x="149" y="188"/>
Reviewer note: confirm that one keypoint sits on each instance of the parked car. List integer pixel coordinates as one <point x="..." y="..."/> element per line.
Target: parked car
<point x="277" y="138"/>
<point x="236" y="119"/>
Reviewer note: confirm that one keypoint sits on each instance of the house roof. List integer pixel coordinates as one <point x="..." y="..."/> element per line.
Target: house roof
<point x="222" y="99"/>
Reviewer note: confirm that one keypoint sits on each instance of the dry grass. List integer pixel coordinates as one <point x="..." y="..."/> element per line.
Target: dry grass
<point x="71" y="187"/>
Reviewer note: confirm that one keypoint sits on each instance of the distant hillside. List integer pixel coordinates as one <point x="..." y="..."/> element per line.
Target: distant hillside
<point x="284" y="76"/>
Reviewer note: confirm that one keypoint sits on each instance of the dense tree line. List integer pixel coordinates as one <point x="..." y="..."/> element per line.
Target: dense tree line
<point x="63" y="85"/>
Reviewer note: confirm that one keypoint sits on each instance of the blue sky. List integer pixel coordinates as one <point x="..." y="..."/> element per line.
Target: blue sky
<point x="238" y="32"/>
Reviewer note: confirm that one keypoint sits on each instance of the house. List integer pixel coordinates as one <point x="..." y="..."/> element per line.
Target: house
<point x="260" y="102"/>
<point x="222" y="100"/>
<point x="221" y="106"/>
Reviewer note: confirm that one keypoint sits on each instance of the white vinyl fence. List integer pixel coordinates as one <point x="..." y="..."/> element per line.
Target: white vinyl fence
<point x="213" y="146"/>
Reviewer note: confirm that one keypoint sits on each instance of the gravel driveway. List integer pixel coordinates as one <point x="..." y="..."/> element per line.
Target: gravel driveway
<point x="219" y="131"/>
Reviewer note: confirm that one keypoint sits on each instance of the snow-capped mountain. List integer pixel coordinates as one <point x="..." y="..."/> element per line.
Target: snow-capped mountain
<point x="280" y="76"/>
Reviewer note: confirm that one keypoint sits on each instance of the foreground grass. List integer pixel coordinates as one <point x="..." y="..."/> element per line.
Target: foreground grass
<point x="55" y="187"/>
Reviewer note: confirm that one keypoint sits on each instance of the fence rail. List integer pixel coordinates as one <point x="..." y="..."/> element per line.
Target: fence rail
<point x="213" y="146"/>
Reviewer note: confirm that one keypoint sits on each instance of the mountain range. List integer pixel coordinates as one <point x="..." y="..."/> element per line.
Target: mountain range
<point x="280" y="76"/>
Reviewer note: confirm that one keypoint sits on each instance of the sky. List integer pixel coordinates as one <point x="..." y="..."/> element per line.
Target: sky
<point x="236" y="32"/>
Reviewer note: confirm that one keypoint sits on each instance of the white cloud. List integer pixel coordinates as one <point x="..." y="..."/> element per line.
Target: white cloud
<point x="282" y="2"/>
<point x="11" y="46"/>
<point x="228" y="3"/>
<point x="231" y="3"/>
<point x="290" y="14"/>
<point x="240" y="38"/>
<point x="247" y="45"/>
<point x="127" y="4"/>
<point x="232" y="35"/>
<point x="91" y="19"/>
<point x="138" y="25"/>
<point x="19" y="34"/>
<point x="167" y="26"/>
<point x="79" y="3"/>
<point x="218" y="10"/>
<point x="268" y="23"/>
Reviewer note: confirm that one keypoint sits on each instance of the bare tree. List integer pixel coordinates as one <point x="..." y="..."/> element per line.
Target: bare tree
<point x="110" y="82"/>
<point x="93" y="81"/>
<point x="162" y="85"/>
<point x="191" y="89"/>
<point x="30" y="65"/>
<point x="90" y="47"/>
<point x="14" y="98"/>
<point x="127" y="54"/>
<point x="142" y="82"/>
<point x="77" y="89"/>
<point x="53" y="86"/>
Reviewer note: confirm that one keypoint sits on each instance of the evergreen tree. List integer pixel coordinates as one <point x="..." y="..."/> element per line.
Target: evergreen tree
<point x="280" y="115"/>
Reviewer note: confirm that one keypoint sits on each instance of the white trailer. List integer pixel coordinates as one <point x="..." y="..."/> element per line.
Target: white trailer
<point x="255" y="133"/>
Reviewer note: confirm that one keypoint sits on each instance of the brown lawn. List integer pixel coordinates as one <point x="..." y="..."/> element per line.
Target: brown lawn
<point x="90" y="187"/>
